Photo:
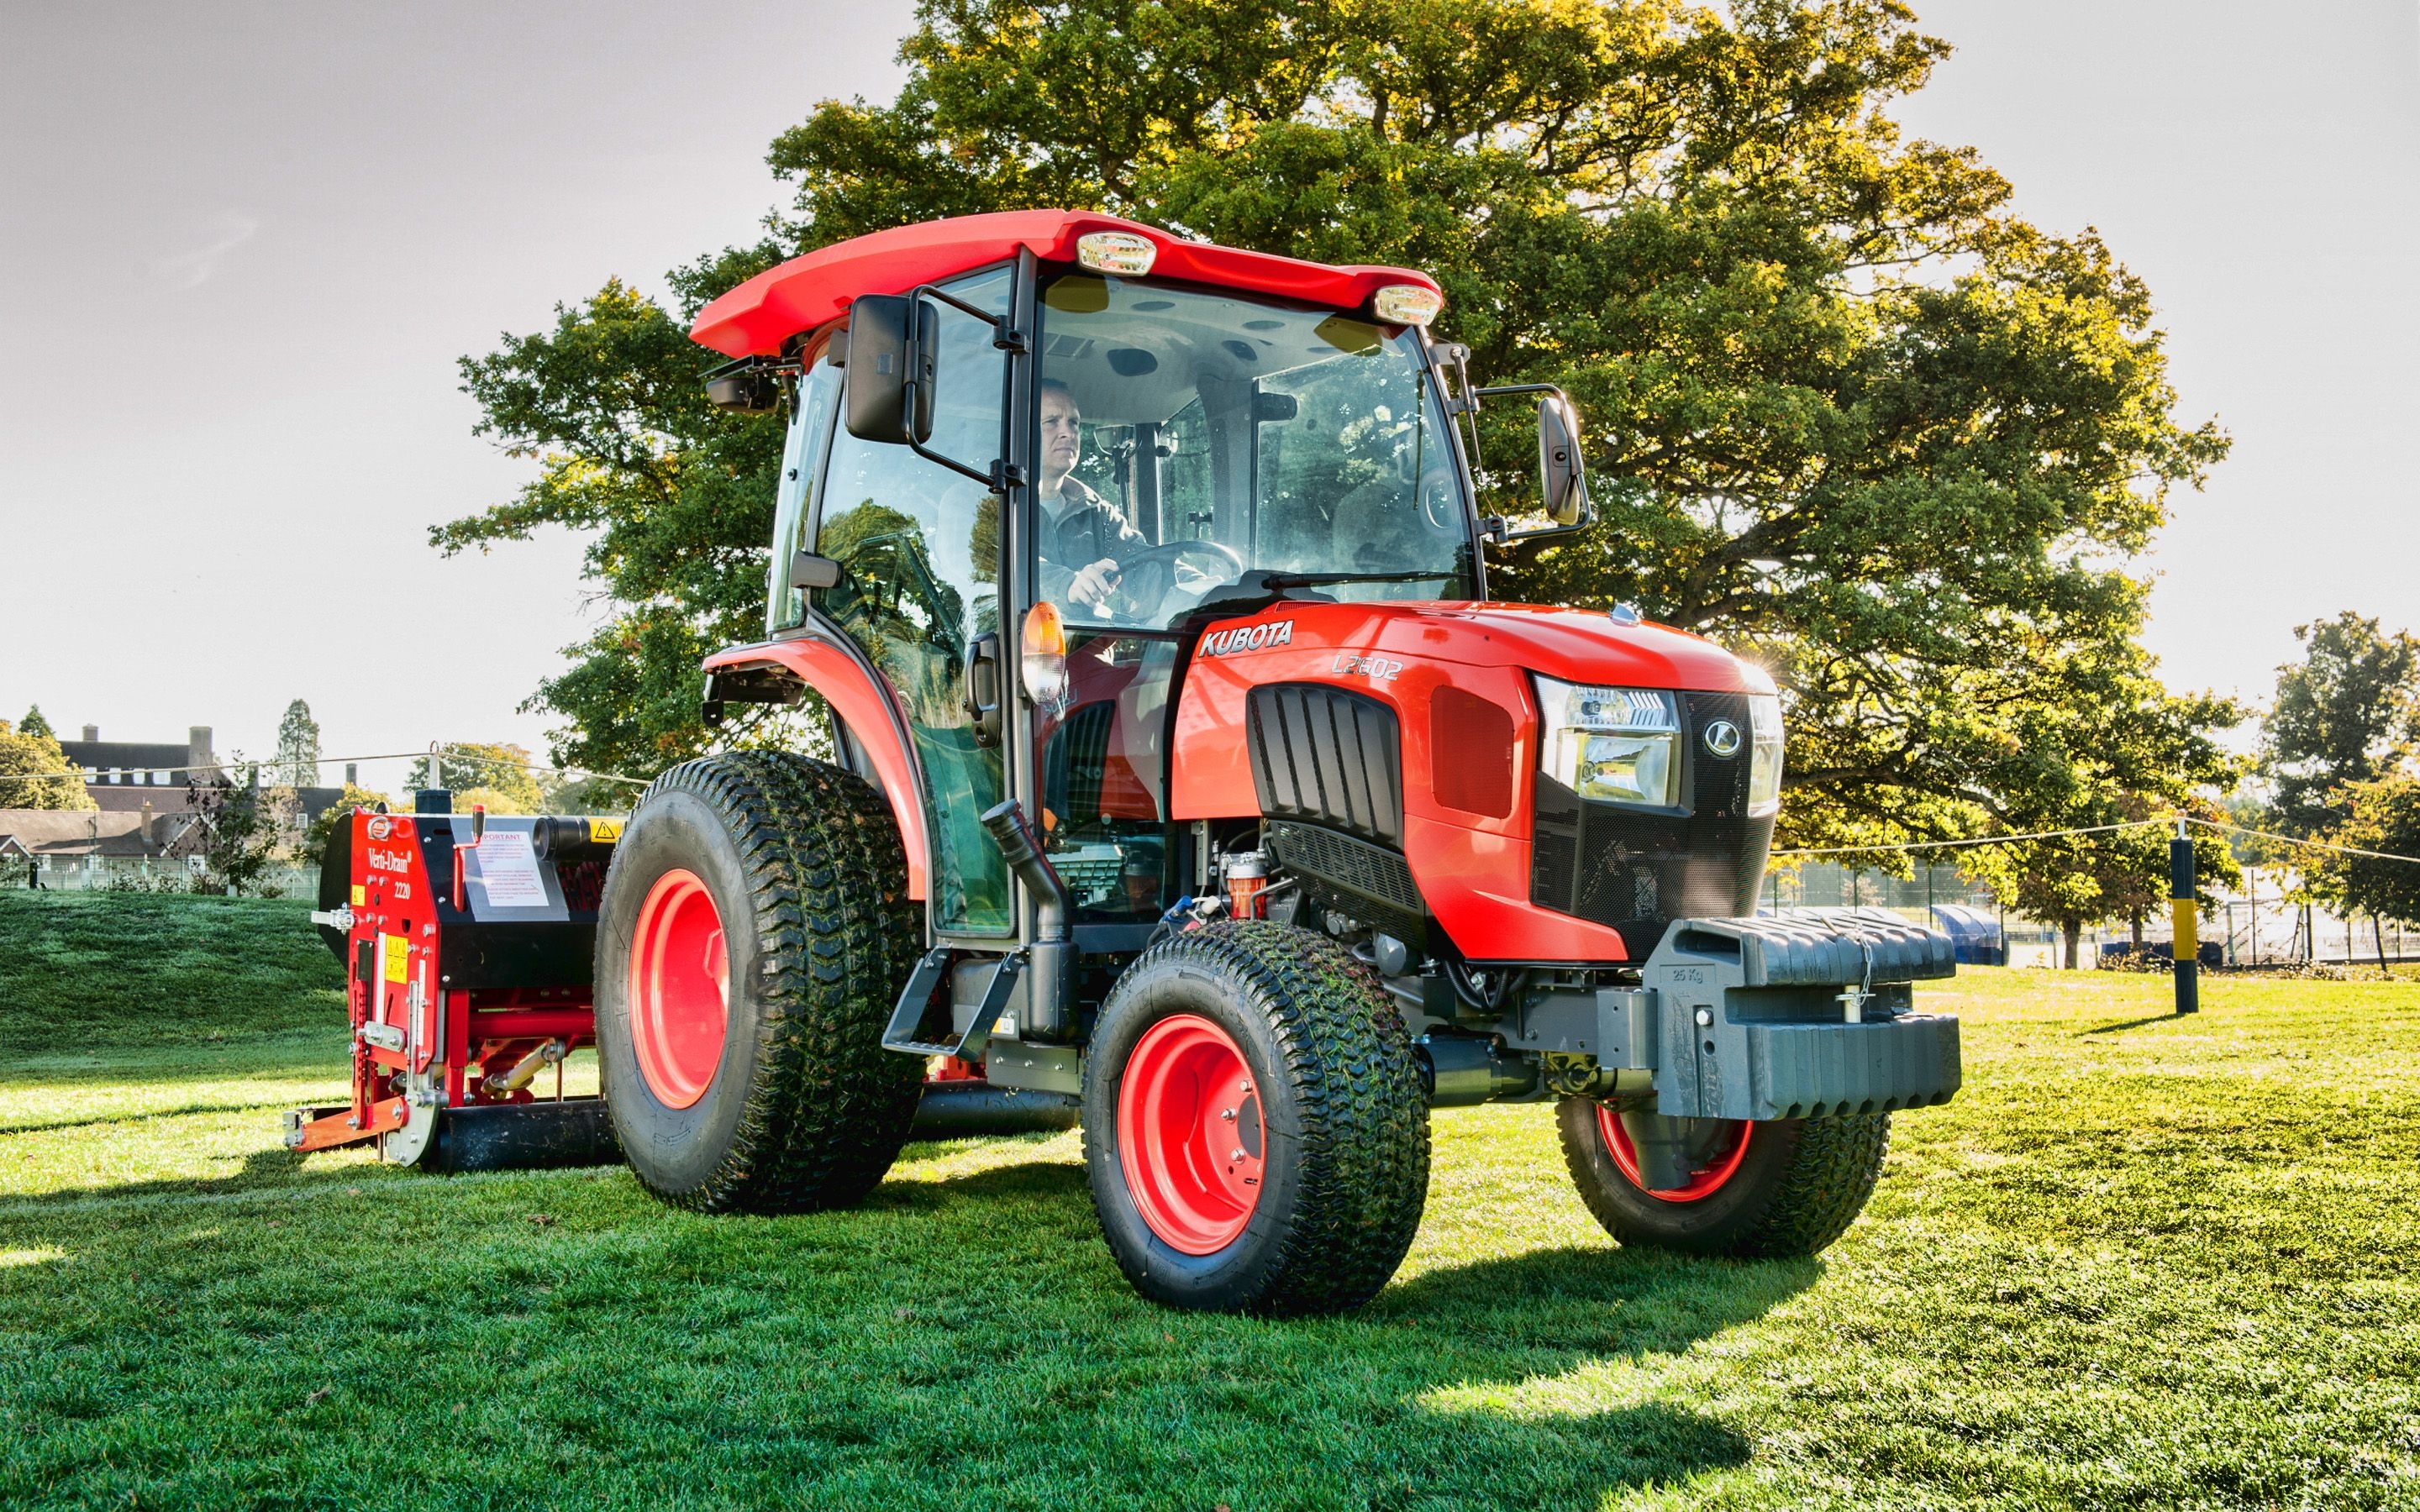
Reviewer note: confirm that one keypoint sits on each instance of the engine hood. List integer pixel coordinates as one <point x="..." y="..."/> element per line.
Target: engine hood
<point x="1575" y="646"/>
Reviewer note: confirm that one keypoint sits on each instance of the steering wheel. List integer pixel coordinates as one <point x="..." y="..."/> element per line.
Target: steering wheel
<point x="1150" y="574"/>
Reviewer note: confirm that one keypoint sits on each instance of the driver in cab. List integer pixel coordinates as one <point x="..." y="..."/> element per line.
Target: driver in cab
<point x="1083" y="540"/>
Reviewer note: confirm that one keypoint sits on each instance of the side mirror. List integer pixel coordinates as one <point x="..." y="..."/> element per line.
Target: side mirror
<point x="743" y="389"/>
<point x="891" y="339"/>
<point x="1562" y="480"/>
<point x="808" y="570"/>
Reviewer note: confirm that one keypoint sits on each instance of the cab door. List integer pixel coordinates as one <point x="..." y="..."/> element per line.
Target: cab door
<point x="919" y="545"/>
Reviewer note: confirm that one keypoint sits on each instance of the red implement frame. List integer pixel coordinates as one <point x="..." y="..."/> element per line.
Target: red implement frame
<point x="398" y="923"/>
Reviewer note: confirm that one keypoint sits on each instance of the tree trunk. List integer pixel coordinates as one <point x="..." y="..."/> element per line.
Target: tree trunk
<point x="2137" y="922"/>
<point x="2073" y="929"/>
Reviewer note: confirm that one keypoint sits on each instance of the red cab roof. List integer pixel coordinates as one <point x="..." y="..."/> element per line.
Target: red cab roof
<point x="802" y="294"/>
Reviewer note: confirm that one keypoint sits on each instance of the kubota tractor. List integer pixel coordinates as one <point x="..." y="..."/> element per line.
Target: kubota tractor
<point x="1186" y="783"/>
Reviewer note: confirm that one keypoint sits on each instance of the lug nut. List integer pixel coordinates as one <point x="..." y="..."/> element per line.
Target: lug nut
<point x="1238" y="1156"/>
<point x="1228" y="1114"/>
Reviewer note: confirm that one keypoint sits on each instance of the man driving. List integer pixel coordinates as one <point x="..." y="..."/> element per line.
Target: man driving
<point x="1083" y="540"/>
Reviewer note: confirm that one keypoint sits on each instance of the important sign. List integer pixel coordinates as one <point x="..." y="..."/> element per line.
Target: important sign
<point x="506" y="870"/>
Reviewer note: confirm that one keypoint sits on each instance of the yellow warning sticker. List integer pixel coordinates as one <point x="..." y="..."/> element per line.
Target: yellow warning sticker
<point x="398" y="958"/>
<point x="604" y="831"/>
<point x="360" y="895"/>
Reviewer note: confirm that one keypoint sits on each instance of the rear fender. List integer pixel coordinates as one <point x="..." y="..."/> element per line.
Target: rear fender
<point x="865" y="703"/>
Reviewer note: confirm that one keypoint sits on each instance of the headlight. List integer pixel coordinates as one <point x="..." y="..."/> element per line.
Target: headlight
<point x="1764" y="762"/>
<point x="1616" y="744"/>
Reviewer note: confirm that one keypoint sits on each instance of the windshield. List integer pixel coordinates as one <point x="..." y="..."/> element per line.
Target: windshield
<point x="1187" y="438"/>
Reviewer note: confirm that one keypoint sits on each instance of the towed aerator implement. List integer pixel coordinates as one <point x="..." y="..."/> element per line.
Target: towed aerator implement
<point x="467" y="942"/>
<point x="1185" y="776"/>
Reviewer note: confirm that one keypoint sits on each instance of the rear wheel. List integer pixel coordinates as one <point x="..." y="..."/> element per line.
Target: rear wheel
<point x="755" y="930"/>
<point x="1254" y="1127"/>
<point x="1727" y="1187"/>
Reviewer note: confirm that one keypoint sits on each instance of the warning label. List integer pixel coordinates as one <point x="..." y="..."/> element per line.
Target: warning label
<point x="507" y="871"/>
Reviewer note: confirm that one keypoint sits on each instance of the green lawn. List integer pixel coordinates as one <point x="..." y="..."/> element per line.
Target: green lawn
<point x="2140" y="1262"/>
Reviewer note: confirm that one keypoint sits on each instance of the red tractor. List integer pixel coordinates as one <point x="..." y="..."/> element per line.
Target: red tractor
<point x="1187" y="785"/>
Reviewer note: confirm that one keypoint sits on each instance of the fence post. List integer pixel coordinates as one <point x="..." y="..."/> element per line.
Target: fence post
<point x="2180" y="895"/>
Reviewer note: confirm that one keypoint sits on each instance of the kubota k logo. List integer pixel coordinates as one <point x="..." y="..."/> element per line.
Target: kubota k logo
<point x="1723" y="739"/>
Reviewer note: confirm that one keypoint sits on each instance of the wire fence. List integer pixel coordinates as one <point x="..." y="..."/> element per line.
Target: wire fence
<point x="144" y="873"/>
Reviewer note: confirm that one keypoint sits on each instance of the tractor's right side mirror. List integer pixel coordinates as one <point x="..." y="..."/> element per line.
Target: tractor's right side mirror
<point x="891" y="339"/>
<point x="1562" y="480"/>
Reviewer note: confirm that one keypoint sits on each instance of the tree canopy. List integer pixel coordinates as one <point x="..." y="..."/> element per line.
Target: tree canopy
<point x="31" y="766"/>
<point x="297" y="763"/>
<point x="1849" y="413"/>
<point x="34" y="724"/>
<point x="498" y="776"/>
<point x="2346" y="714"/>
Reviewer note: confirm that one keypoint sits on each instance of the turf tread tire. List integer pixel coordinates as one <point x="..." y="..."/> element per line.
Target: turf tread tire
<point x="1804" y="1186"/>
<point x="1360" y="1112"/>
<point x="826" y="1108"/>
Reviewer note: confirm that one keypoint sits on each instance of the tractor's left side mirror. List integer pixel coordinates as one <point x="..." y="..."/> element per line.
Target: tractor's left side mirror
<point x="1561" y="476"/>
<point x="891" y="339"/>
<point x="746" y="387"/>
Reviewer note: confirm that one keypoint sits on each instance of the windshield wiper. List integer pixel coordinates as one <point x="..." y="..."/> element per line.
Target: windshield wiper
<point x="1258" y="588"/>
<point x="1314" y="580"/>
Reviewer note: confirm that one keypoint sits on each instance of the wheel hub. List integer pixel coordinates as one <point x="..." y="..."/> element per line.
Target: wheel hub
<point x="1715" y="1160"/>
<point x="680" y="988"/>
<point x="1191" y="1139"/>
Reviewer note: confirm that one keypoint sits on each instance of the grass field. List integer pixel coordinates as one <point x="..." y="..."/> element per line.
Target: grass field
<point x="2139" y="1262"/>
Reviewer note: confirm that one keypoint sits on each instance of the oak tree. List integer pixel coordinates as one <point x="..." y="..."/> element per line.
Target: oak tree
<point x="1851" y="415"/>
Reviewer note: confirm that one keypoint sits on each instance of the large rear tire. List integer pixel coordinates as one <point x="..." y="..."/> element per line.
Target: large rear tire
<point x="754" y="932"/>
<point x="1254" y="1127"/>
<point x="1754" y="1190"/>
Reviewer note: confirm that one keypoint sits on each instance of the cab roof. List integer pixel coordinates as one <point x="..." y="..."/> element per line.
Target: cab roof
<point x="755" y="318"/>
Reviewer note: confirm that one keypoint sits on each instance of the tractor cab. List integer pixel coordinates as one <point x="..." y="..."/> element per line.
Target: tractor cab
<point x="1083" y="457"/>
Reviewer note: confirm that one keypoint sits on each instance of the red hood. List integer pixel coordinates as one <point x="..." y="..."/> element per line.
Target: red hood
<point x="1575" y="646"/>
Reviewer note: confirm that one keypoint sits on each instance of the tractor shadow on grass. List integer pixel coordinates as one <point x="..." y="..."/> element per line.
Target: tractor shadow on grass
<point x="1531" y="1378"/>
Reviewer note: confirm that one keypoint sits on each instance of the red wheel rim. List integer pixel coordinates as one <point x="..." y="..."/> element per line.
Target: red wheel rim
<point x="1190" y="1137"/>
<point x="1703" y="1182"/>
<point x="680" y="989"/>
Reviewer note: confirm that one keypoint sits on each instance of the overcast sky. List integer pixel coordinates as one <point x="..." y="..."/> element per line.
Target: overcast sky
<point x="242" y="245"/>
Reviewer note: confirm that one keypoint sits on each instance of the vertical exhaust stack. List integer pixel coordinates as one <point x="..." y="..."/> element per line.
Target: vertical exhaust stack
<point x="1047" y="1015"/>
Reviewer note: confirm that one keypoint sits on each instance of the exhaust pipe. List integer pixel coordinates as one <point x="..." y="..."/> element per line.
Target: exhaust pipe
<point x="1047" y="1019"/>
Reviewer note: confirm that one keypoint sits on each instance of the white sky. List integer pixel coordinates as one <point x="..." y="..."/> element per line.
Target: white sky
<point x="242" y="245"/>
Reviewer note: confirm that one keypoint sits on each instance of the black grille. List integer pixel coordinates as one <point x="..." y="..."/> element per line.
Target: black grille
<point x="1637" y="871"/>
<point x="1329" y="756"/>
<point x="1368" y="881"/>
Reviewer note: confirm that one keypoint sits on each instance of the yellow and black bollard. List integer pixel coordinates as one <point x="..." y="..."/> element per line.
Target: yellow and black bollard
<point x="2180" y="903"/>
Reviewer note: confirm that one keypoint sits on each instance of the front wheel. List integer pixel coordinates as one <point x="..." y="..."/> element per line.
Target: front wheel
<point x="1749" y="1189"/>
<point x="1254" y="1127"/>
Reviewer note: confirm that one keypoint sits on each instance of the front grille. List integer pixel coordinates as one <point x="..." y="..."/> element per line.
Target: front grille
<point x="1368" y="881"/>
<point x="1635" y="870"/>
<point x="1327" y="755"/>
